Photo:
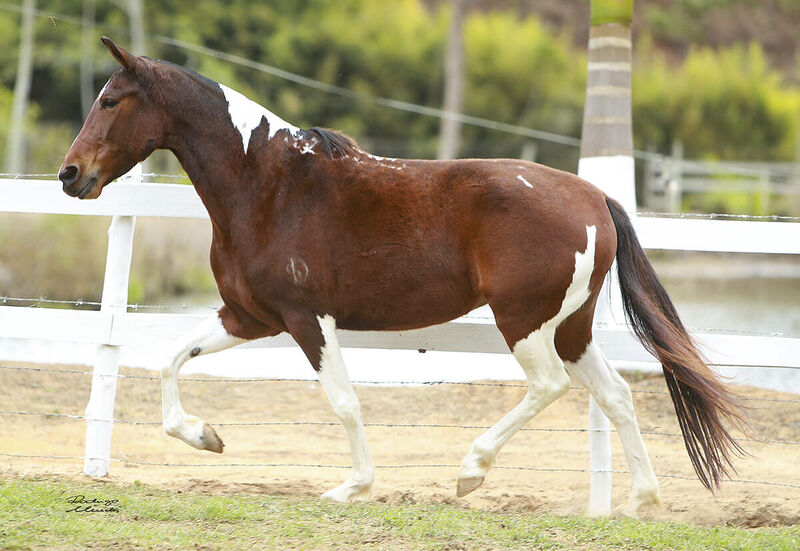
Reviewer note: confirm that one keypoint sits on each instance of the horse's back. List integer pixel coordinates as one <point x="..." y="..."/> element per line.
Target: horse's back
<point x="530" y="225"/>
<point x="528" y="218"/>
<point x="438" y="238"/>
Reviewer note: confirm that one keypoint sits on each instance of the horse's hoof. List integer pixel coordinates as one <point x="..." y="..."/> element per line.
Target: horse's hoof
<point x="598" y="512"/>
<point x="211" y="441"/>
<point x="644" y="498"/>
<point x="626" y="511"/>
<point x="468" y="484"/>
<point x="348" y="491"/>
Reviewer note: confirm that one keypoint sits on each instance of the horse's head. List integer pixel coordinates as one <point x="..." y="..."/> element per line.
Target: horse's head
<point x="123" y="127"/>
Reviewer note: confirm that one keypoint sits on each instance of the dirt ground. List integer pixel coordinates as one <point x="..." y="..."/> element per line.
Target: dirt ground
<point x="737" y="503"/>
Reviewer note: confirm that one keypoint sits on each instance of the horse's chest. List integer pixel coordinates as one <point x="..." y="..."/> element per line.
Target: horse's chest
<point x="262" y="273"/>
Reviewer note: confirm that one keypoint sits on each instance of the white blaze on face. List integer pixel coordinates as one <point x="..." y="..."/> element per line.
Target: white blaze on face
<point x="246" y="115"/>
<point x="102" y="90"/>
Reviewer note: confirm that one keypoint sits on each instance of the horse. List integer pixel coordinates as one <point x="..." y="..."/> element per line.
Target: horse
<point x="311" y="234"/>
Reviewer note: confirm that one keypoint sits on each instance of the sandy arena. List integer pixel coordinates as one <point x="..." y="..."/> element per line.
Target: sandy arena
<point x="743" y="504"/>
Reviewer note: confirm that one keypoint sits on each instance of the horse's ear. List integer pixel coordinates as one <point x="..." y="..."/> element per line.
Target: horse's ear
<point x="127" y="60"/>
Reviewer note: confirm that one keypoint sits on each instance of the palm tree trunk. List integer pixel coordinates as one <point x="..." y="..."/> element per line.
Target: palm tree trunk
<point x="450" y="133"/>
<point x="607" y="138"/>
<point x="607" y="162"/>
<point x="87" y="47"/>
<point x="136" y="21"/>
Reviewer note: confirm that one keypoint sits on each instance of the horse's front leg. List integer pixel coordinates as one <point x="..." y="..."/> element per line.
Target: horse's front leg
<point x="317" y="338"/>
<point x="210" y="336"/>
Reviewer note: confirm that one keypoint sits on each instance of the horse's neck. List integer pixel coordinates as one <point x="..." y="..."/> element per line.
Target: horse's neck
<point x="246" y="115"/>
<point x="213" y="159"/>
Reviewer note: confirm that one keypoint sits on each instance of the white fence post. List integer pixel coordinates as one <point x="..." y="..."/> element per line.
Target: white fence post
<point x="100" y="409"/>
<point x="599" y="462"/>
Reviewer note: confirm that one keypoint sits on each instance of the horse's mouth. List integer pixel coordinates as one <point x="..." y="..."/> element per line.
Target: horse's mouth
<point x="85" y="190"/>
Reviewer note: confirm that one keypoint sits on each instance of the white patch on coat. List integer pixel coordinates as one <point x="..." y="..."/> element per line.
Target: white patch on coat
<point x="246" y="115"/>
<point x="308" y="147"/>
<point x="386" y="162"/>
<point x="524" y="181"/>
<point x="578" y="290"/>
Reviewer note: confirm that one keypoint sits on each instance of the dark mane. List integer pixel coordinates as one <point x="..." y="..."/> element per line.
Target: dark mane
<point x="197" y="77"/>
<point x="335" y="144"/>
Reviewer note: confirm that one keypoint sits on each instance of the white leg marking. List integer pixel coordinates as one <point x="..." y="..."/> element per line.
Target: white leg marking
<point x="246" y="115"/>
<point x="210" y="336"/>
<point x="544" y="370"/>
<point x="613" y="395"/>
<point x="334" y="380"/>
<point x="547" y="381"/>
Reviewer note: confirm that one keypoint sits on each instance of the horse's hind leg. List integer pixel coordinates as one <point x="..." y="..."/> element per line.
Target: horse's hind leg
<point x="613" y="395"/>
<point x="547" y="381"/>
<point x="210" y="336"/>
<point x="517" y="313"/>
<point x="317" y="338"/>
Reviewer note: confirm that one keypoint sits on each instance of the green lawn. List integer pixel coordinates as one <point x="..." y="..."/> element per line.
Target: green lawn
<point x="35" y="513"/>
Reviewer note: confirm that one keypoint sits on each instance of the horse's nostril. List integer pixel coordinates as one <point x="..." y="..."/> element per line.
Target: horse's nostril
<point x="69" y="175"/>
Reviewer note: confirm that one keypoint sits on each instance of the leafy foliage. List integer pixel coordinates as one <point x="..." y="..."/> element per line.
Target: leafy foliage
<point x="726" y="105"/>
<point x="518" y="71"/>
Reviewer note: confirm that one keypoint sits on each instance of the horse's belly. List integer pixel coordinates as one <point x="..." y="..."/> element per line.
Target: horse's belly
<point x="409" y="305"/>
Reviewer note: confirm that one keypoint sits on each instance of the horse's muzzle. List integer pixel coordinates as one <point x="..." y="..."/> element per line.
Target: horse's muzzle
<point x="71" y="182"/>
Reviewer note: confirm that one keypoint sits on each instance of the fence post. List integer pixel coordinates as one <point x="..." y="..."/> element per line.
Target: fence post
<point x="673" y="192"/>
<point x="100" y="409"/>
<point x="599" y="462"/>
<point x="530" y="151"/>
<point x="607" y="162"/>
<point x="764" y="189"/>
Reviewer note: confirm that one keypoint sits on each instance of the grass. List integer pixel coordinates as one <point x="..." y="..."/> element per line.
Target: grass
<point x="34" y="514"/>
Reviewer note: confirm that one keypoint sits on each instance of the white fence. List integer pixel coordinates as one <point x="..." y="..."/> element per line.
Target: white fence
<point x="668" y="179"/>
<point x="114" y="325"/>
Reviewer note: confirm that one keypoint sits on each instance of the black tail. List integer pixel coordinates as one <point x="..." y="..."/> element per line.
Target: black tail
<point x="701" y="400"/>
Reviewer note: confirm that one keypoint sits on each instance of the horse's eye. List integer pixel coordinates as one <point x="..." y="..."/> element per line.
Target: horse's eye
<point x="108" y="103"/>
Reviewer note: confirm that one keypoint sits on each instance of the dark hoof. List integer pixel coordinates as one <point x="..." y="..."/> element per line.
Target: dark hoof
<point x="211" y="441"/>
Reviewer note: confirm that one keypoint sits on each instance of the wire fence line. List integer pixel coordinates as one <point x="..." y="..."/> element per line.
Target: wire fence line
<point x="384" y="425"/>
<point x="406" y="466"/>
<point x="355" y="382"/>
<point x="719" y="216"/>
<point x="377" y="425"/>
<point x="35" y="302"/>
<point x="327" y="423"/>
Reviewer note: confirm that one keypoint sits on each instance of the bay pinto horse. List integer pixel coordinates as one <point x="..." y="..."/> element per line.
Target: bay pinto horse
<point x="311" y="233"/>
